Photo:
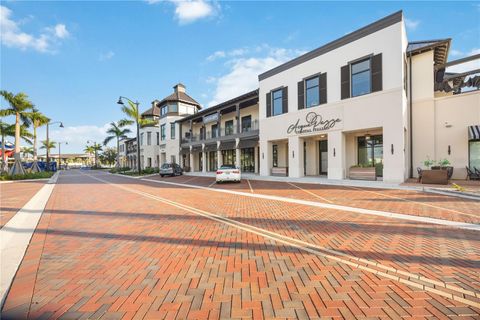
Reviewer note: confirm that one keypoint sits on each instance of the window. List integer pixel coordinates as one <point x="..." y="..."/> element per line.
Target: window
<point x="312" y="92"/>
<point x="361" y="78"/>
<point x="370" y="152"/>
<point x="173" y="107"/>
<point x="162" y="132"/>
<point x="214" y="130"/>
<point x="149" y="162"/>
<point x="212" y="160"/>
<point x="158" y="138"/>
<point x="172" y="131"/>
<point x="277" y="102"/>
<point x="229" y="127"/>
<point x="246" y="123"/>
<point x="229" y="157"/>
<point x="149" y="138"/>
<point x="247" y="159"/>
<point x="141" y="139"/>
<point x="173" y="159"/>
<point x="474" y="153"/>
<point x="275" y="155"/>
<point x="163" y="110"/>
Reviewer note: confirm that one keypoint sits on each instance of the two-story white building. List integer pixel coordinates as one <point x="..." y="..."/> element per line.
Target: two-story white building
<point x="348" y="104"/>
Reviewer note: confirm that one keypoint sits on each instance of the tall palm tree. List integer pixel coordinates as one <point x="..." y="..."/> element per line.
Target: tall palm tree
<point x="27" y="150"/>
<point x="19" y="107"/>
<point x="8" y="130"/>
<point x="38" y="119"/>
<point x="93" y="149"/>
<point x="51" y="145"/>
<point x="133" y="116"/>
<point x="116" y="131"/>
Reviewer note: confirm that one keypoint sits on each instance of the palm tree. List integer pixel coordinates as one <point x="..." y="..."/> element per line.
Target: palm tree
<point x="19" y="107"/>
<point x="38" y="119"/>
<point x="27" y="150"/>
<point x="135" y="117"/>
<point x="93" y="149"/>
<point x="116" y="131"/>
<point x="8" y="130"/>
<point x="51" y="145"/>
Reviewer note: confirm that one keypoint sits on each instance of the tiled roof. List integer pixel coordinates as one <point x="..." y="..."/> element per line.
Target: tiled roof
<point x="182" y="97"/>
<point x="153" y="111"/>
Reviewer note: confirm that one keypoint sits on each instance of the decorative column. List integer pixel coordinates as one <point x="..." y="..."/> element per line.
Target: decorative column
<point x="336" y="155"/>
<point x="255" y="158"/>
<point x="295" y="157"/>
<point x="219" y="156"/>
<point x="238" y="162"/>
<point x="265" y="157"/>
<point x="237" y="109"/>
<point x="204" y="159"/>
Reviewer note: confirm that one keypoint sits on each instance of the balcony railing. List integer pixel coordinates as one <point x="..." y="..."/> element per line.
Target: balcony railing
<point x="222" y="132"/>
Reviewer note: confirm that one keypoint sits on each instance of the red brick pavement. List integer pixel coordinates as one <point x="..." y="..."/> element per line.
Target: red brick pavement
<point x="105" y="252"/>
<point x="13" y="196"/>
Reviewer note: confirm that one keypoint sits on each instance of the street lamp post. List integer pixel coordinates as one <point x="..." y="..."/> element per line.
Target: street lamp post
<point x="60" y="155"/>
<point x="48" y="143"/>
<point x="138" y="129"/>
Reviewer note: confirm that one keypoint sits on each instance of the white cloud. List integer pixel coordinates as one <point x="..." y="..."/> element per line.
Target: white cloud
<point x="243" y="72"/>
<point x="12" y="36"/>
<point x="188" y="11"/>
<point x="106" y="55"/>
<point x="456" y="53"/>
<point x="224" y="54"/>
<point x="217" y="54"/>
<point x="411" y="24"/>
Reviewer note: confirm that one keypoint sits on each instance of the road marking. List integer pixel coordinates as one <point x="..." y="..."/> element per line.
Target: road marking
<point x="211" y="184"/>
<point x="188" y="180"/>
<point x="411" y="279"/>
<point x="311" y="193"/>
<point x="401" y="216"/>
<point x="250" y="186"/>
<point x="414" y="201"/>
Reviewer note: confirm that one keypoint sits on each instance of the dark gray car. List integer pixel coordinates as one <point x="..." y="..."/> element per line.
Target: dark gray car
<point x="170" y="169"/>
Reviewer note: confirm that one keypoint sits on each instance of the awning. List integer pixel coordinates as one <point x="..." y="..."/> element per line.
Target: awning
<point x="248" y="143"/>
<point x="474" y="132"/>
<point x="185" y="151"/>
<point x="227" y="145"/>
<point x="197" y="148"/>
<point x="211" y="147"/>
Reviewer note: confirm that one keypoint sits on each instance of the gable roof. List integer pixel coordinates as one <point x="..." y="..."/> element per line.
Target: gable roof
<point x="440" y="47"/>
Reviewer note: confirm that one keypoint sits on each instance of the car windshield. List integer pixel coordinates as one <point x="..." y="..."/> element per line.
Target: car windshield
<point x="224" y="167"/>
<point x="165" y="166"/>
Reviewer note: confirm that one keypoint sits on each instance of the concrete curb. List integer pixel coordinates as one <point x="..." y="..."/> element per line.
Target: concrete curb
<point x="14" y="244"/>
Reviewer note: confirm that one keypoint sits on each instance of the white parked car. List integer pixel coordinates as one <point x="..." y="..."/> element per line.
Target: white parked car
<point x="228" y="173"/>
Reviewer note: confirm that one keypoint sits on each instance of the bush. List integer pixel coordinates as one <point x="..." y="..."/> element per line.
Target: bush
<point x="29" y="175"/>
<point x="150" y="170"/>
<point x="121" y="169"/>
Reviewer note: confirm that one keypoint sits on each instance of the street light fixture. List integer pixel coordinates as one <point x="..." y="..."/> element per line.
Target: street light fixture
<point x="120" y="101"/>
<point x="48" y="142"/>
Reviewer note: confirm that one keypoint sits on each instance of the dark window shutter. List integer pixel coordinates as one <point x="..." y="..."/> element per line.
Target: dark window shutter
<point x="345" y="82"/>
<point x="285" y="100"/>
<point x="269" y="104"/>
<point x="323" y="88"/>
<point x="376" y="65"/>
<point x="301" y="95"/>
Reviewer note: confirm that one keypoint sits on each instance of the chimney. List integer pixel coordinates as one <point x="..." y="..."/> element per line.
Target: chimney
<point x="179" y="87"/>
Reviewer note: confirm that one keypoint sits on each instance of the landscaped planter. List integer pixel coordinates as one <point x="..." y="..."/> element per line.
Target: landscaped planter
<point x="358" y="173"/>
<point x="434" y="177"/>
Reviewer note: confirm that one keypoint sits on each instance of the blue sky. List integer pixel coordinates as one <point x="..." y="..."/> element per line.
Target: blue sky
<point x="75" y="58"/>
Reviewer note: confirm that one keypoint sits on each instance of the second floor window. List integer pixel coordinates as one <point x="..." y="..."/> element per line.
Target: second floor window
<point x="172" y="131"/>
<point x="246" y="123"/>
<point x="361" y="78"/>
<point x="312" y="93"/>
<point x="214" y="130"/>
<point x="277" y="106"/>
<point x="163" y="110"/>
<point x="229" y="127"/>
<point x="149" y="138"/>
<point x="141" y="139"/>
<point x="162" y="132"/>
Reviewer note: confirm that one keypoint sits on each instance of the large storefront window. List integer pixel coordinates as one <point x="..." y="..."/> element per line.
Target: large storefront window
<point x="247" y="159"/>
<point x="474" y="154"/>
<point x="370" y="152"/>
<point x="212" y="160"/>
<point x="228" y="157"/>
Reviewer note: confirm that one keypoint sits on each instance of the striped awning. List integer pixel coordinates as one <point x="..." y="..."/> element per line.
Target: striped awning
<point x="227" y="145"/>
<point x="474" y="132"/>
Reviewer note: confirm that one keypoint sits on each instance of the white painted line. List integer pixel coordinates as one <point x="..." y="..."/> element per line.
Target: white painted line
<point x="188" y="180"/>
<point x="250" y="186"/>
<point x="401" y="216"/>
<point x="338" y="256"/>
<point x="13" y="245"/>
<point x="309" y="192"/>
<point x="414" y="201"/>
<point x="211" y="184"/>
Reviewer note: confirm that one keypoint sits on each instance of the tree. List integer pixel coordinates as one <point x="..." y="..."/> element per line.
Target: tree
<point x="38" y="119"/>
<point x="109" y="156"/>
<point x="8" y="130"/>
<point x="94" y="148"/>
<point x="19" y="107"/>
<point x="51" y="145"/>
<point x="116" y="131"/>
<point x="27" y="150"/>
<point x="135" y="117"/>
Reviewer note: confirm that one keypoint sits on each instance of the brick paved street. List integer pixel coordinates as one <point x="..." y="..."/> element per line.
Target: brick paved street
<point x="13" y="197"/>
<point x="114" y="247"/>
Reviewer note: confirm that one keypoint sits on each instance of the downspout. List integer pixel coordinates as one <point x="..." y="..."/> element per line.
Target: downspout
<point x="410" y="113"/>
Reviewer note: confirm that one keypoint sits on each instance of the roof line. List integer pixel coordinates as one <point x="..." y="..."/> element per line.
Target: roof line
<point x="353" y="36"/>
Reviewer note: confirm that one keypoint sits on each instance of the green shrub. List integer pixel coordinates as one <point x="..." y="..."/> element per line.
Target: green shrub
<point x="29" y="175"/>
<point x="119" y="170"/>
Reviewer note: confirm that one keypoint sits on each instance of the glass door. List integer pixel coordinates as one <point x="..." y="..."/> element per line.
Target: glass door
<point x="247" y="159"/>
<point x="323" y="147"/>
<point x="370" y="152"/>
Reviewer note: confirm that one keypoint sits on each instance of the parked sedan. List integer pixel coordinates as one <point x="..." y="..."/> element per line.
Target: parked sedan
<point x="170" y="169"/>
<point x="228" y="173"/>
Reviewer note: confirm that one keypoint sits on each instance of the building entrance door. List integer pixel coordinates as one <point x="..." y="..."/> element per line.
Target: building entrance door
<point x="323" y="148"/>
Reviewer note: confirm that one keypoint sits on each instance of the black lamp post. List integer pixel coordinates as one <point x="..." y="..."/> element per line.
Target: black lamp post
<point x="48" y="143"/>
<point x="120" y="101"/>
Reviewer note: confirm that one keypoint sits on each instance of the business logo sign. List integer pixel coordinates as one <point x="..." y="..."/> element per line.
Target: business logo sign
<point x="210" y="118"/>
<point x="313" y="123"/>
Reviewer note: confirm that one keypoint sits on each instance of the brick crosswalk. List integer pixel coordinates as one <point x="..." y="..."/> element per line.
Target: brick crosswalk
<point x="115" y="248"/>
